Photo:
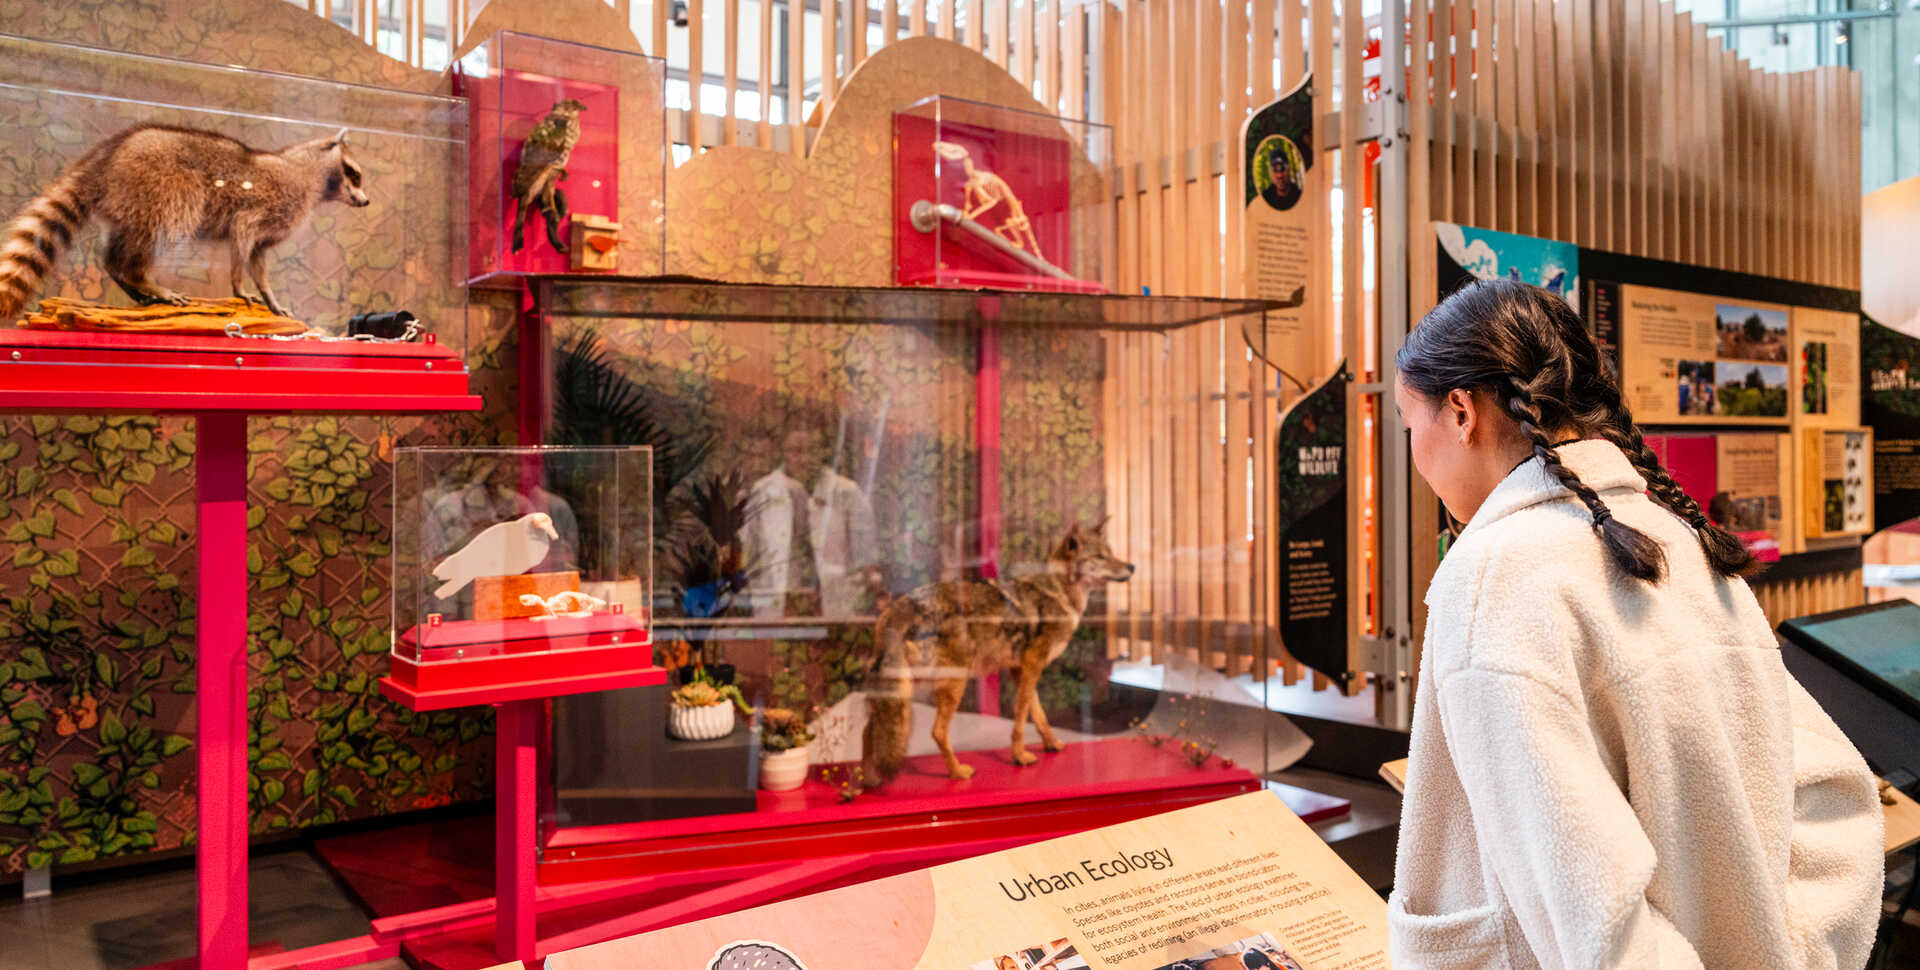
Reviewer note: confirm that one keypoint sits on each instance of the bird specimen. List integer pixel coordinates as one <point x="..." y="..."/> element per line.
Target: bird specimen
<point x="543" y="166"/>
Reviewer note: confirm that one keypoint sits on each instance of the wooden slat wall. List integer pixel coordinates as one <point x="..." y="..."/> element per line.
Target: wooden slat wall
<point x="1617" y="124"/>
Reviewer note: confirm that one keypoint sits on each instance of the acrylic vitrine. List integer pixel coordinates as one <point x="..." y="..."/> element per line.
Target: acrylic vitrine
<point x="380" y="248"/>
<point x="845" y="476"/>
<point x="514" y="566"/>
<point x="568" y="159"/>
<point x="986" y="196"/>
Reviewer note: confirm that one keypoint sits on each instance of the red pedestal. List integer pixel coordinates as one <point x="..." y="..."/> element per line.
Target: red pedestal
<point x="223" y="380"/>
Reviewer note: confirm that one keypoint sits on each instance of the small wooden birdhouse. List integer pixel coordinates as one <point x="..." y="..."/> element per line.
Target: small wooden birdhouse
<point x="595" y="243"/>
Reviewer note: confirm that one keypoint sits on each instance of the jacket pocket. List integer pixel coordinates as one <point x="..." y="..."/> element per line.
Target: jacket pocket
<point x="1471" y="939"/>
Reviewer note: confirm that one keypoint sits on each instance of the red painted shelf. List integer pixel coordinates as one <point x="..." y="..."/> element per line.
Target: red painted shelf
<point x="55" y="371"/>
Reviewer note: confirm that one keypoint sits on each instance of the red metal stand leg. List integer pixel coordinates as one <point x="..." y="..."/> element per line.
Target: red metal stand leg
<point x="986" y="441"/>
<point x="515" y="733"/>
<point x="220" y="468"/>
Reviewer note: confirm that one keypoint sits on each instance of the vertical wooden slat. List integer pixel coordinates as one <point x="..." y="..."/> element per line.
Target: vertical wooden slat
<point x="949" y="17"/>
<point x="796" y="76"/>
<point x="696" y="77"/>
<point x="889" y="21"/>
<point x="730" y="77"/>
<point x="1533" y="35"/>
<point x="1466" y="58"/>
<point x="917" y="23"/>
<point x="1684" y="111"/>
<point x="1021" y="49"/>
<point x="1075" y="66"/>
<point x="1443" y="110"/>
<point x="659" y="48"/>
<point x="1048" y="47"/>
<point x="997" y="21"/>
<point x="1507" y="143"/>
<point x="1486" y="138"/>
<point x="766" y="73"/>
<point x="829" y="54"/>
<point x="1851" y="202"/>
<point x="857" y="20"/>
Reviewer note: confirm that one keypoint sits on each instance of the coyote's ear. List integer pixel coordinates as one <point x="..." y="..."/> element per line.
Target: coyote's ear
<point x="1100" y="528"/>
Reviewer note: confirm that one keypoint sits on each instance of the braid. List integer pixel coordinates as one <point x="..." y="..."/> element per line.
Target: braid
<point x="1632" y="550"/>
<point x="1725" y="552"/>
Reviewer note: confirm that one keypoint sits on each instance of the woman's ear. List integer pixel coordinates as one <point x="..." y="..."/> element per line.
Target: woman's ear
<point x="1462" y="414"/>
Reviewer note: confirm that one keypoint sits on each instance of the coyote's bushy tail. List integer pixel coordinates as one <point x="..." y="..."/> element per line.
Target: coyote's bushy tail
<point x="883" y="748"/>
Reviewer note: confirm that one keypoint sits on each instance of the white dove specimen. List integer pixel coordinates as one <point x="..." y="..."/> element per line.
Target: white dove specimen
<point x="503" y="549"/>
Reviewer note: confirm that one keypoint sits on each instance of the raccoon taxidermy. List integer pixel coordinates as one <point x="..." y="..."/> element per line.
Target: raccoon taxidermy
<point x="153" y="183"/>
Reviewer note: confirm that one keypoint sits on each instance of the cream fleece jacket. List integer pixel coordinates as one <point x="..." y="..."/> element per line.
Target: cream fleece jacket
<point x="1608" y="773"/>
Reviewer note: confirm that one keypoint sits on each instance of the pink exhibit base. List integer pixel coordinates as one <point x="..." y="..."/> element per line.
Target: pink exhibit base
<point x="394" y="870"/>
<point x="1087" y="785"/>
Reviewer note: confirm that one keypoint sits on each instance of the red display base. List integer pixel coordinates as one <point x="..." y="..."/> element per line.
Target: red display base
<point x="448" y="864"/>
<point x="1086" y="785"/>
<point x="53" y="371"/>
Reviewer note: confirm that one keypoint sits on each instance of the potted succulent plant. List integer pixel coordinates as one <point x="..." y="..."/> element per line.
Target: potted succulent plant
<point x="703" y="710"/>
<point x="783" y="749"/>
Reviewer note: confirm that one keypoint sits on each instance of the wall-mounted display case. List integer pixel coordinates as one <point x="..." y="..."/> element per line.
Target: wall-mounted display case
<point x="987" y="196"/>
<point x="569" y="157"/>
<point x="345" y="226"/>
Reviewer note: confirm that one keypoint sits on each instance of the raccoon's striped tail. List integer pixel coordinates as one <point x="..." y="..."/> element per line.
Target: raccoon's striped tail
<point x="40" y="234"/>
<point x="883" y="747"/>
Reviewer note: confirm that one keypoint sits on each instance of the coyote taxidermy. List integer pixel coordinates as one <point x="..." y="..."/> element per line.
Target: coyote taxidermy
<point x="947" y="633"/>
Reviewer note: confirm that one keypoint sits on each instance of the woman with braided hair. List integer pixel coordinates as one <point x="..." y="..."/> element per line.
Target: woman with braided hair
<point x="1610" y="765"/>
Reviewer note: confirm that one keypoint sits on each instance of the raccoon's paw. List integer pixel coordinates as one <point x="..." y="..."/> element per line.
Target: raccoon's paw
<point x="161" y="294"/>
<point x="960" y="772"/>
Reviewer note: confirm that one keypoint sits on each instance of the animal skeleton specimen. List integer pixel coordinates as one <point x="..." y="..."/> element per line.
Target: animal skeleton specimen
<point x="984" y="191"/>
<point x="569" y="603"/>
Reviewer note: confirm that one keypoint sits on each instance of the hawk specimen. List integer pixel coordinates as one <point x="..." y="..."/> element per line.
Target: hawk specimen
<point x="543" y="163"/>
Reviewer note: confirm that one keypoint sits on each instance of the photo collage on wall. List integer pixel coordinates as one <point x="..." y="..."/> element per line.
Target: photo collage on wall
<point x="1690" y="358"/>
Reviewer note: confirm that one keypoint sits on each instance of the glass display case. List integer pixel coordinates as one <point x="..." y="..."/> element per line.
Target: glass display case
<point x="568" y="165"/>
<point x="904" y="519"/>
<point x="197" y="235"/>
<point x="992" y="196"/>
<point x="518" y="565"/>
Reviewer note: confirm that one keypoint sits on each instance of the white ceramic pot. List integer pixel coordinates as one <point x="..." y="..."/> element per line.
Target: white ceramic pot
<point x="783" y="770"/>
<point x="700" y="723"/>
